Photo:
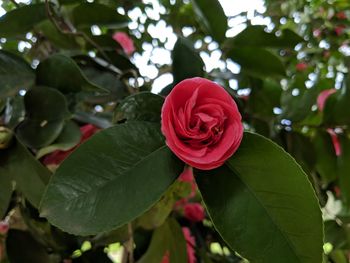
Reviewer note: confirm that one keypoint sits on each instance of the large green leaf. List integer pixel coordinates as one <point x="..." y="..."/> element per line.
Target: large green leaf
<point x="61" y="72"/>
<point x="258" y="62"/>
<point x="88" y="14"/>
<point x="15" y="74"/>
<point x="168" y="238"/>
<point x="144" y="106"/>
<point x="30" y="176"/>
<point x="186" y="61"/>
<point x="262" y="204"/>
<point x="21" y="20"/>
<point x="256" y="36"/>
<point x="211" y="15"/>
<point x="111" y="179"/>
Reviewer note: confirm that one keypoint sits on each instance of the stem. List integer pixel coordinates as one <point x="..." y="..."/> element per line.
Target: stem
<point x="77" y="33"/>
<point x="131" y="244"/>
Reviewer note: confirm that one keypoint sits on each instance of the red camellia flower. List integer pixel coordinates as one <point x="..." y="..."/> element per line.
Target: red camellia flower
<point x="125" y="41"/>
<point x="201" y="123"/>
<point x="323" y="96"/>
<point x="194" y="212"/>
<point x="301" y="66"/>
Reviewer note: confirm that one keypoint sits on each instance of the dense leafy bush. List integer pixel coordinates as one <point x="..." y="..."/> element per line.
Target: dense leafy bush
<point x="94" y="167"/>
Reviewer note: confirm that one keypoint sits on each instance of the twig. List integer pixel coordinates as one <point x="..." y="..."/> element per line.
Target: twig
<point x="131" y="244"/>
<point x="77" y="33"/>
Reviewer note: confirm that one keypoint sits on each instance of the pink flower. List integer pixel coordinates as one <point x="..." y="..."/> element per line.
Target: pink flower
<point x="201" y="123"/>
<point x="57" y="157"/>
<point x="125" y="41"/>
<point x="194" y="212"/>
<point x="341" y="15"/>
<point x="339" y="29"/>
<point x="335" y="141"/>
<point x="323" y="96"/>
<point x="4" y="227"/>
<point x="301" y="66"/>
<point x="190" y="244"/>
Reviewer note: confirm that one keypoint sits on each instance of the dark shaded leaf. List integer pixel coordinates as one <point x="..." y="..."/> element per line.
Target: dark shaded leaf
<point x="144" y="106"/>
<point x="46" y="111"/>
<point x="21" y="20"/>
<point x="54" y="71"/>
<point x="15" y="74"/>
<point x="30" y="176"/>
<point x="257" y="62"/>
<point x="88" y="14"/>
<point x="210" y="14"/>
<point x="186" y="61"/>
<point x="68" y="138"/>
<point x="256" y="36"/>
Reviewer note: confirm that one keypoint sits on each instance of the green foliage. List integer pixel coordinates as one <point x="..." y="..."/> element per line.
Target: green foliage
<point x="264" y="206"/>
<point x="63" y="77"/>
<point x="115" y="173"/>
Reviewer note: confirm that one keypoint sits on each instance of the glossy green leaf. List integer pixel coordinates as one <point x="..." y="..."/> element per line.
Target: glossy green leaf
<point x="46" y="111"/>
<point x="186" y="61"/>
<point x="210" y="14"/>
<point x="144" y="106"/>
<point x="168" y="238"/>
<point x="117" y="172"/>
<point x="108" y="81"/>
<point x="257" y="62"/>
<point x="21" y="20"/>
<point x="37" y="134"/>
<point x="31" y="251"/>
<point x="88" y="14"/>
<point x="256" y="36"/>
<point x="54" y="71"/>
<point x="262" y="204"/>
<point x="15" y="74"/>
<point x="30" y="176"/>
<point x="68" y="138"/>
